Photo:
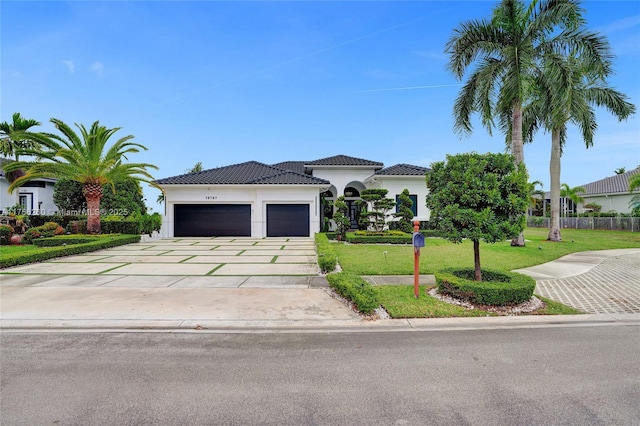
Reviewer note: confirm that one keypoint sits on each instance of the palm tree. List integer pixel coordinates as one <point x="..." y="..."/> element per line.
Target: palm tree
<point x="535" y="195"/>
<point x="85" y="159"/>
<point x="507" y="50"/>
<point x="571" y="98"/>
<point x="10" y="140"/>
<point x="572" y="194"/>
<point x="620" y="170"/>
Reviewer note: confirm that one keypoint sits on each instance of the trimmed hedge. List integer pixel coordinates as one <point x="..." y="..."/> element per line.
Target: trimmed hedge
<point x="41" y="219"/>
<point x="352" y="287"/>
<point x="354" y="238"/>
<point x="50" y="252"/>
<point x="497" y="288"/>
<point x="327" y="257"/>
<point x="62" y="240"/>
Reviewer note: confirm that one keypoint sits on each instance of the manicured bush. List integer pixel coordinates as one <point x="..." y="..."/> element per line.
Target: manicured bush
<point x="497" y="288"/>
<point x="49" y="229"/>
<point x="46" y="253"/>
<point x="150" y="223"/>
<point x="77" y="226"/>
<point x="355" y="289"/>
<point x="126" y="226"/>
<point x="6" y="232"/>
<point x="327" y="258"/>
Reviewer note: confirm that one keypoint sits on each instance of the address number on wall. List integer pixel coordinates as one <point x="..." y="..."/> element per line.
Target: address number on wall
<point x="210" y="197"/>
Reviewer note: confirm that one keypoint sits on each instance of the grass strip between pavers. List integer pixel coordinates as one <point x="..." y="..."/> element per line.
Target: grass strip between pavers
<point x="115" y="267"/>
<point x="215" y="269"/>
<point x="274" y="259"/>
<point x="184" y="260"/>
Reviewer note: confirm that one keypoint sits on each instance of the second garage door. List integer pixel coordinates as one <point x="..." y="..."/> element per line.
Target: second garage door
<point x="287" y="220"/>
<point x="212" y="220"/>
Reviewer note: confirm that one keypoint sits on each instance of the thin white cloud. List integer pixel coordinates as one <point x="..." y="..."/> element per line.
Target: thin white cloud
<point x="621" y="24"/>
<point x="392" y="89"/>
<point x="71" y="66"/>
<point x="440" y="56"/>
<point x="97" y="67"/>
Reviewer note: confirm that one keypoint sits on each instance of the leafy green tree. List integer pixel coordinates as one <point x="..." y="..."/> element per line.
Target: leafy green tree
<point x="84" y="158"/>
<point x="480" y="197"/>
<point x="380" y="206"/>
<point x="67" y="195"/>
<point x="405" y="214"/>
<point x="507" y="51"/>
<point x="12" y="138"/>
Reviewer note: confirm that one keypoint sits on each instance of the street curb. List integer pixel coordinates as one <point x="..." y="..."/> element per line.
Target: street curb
<point x="329" y="326"/>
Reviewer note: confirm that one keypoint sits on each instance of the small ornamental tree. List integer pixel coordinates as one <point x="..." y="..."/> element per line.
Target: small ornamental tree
<point x="340" y="217"/>
<point x="405" y="214"/>
<point x="480" y="197"/>
<point x="380" y="206"/>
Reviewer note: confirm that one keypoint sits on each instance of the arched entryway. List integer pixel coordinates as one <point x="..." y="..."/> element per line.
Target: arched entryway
<point x="351" y="197"/>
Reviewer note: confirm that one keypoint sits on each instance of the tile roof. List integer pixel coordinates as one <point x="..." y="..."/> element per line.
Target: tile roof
<point x="344" y="160"/>
<point x="294" y="166"/>
<point x="251" y="172"/>
<point x="403" y="170"/>
<point x="610" y="185"/>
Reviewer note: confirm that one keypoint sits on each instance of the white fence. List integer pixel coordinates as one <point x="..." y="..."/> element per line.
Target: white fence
<point x="604" y="223"/>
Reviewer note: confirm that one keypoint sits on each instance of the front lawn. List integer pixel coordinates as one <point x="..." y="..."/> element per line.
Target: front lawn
<point x="391" y="259"/>
<point x="399" y="302"/>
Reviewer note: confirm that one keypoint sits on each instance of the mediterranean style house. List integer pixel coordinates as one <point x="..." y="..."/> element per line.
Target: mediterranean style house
<point x="286" y="199"/>
<point x="35" y="197"/>
<point x="612" y="193"/>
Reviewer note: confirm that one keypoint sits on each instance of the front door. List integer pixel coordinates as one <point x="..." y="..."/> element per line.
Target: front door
<point x="354" y="213"/>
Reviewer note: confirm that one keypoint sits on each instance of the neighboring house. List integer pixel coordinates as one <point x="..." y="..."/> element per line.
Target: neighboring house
<point x="612" y="193"/>
<point x="285" y="199"/>
<point x="36" y="196"/>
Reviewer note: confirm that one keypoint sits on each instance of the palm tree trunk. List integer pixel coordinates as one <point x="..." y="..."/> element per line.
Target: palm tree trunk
<point x="476" y="259"/>
<point x="554" y="172"/>
<point x="517" y="150"/>
<point x="93" y="194"/>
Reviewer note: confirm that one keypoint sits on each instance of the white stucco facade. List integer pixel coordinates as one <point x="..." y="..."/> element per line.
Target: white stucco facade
<point x="257" y="196"/>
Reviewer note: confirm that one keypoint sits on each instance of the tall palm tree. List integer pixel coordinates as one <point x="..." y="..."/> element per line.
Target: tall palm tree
<point x="570" y="98"/>
<point x="535" y="195"/>
<point x="10" y="140"/>
<point x="507" y="50"/>
<point x="84" y="158"/>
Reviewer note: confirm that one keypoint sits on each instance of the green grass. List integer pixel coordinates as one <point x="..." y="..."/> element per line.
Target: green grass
<point x="399" y="302"/>
<point x="388" y="259"/>
<point x="11" y="250"/>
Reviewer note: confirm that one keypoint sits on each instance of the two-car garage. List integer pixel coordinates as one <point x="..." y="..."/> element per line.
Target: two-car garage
<point x="234" y="220"/>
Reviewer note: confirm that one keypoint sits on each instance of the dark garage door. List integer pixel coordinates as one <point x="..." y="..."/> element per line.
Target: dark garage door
<point x="287" y="220"/>
<point x="212" y="220"/>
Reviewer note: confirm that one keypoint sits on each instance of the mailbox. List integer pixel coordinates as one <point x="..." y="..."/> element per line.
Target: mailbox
<point x="418" y="240"/>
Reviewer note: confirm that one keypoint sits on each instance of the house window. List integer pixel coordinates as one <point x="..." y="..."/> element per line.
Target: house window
<point x="414" y="206"/>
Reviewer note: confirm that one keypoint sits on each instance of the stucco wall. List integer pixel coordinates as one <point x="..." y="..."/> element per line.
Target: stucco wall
<point x="257" y="196"/>
<point x="618" y="203"/>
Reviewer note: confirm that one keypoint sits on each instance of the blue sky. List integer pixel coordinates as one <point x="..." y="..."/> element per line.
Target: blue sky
<point x="227" y="82"/>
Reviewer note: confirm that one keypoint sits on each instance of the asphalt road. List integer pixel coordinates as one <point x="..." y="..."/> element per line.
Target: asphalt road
<point x="559" y="375"/>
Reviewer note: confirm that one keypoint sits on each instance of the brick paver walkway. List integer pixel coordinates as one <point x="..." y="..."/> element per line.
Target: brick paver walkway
<point x="613" y="287"/>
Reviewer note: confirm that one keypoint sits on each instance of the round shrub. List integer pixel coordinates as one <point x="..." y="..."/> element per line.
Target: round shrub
<point x="6" y="232"/>
<point x="497" y="288"/>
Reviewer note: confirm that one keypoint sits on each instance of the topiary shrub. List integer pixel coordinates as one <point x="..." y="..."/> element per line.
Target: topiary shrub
<point x="355" y="289"/>
<point x="6" y="232"/>
<point x="497" y="288"/>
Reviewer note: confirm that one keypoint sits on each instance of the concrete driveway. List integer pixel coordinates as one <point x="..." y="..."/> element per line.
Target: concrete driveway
<point x="175" y="283"/>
